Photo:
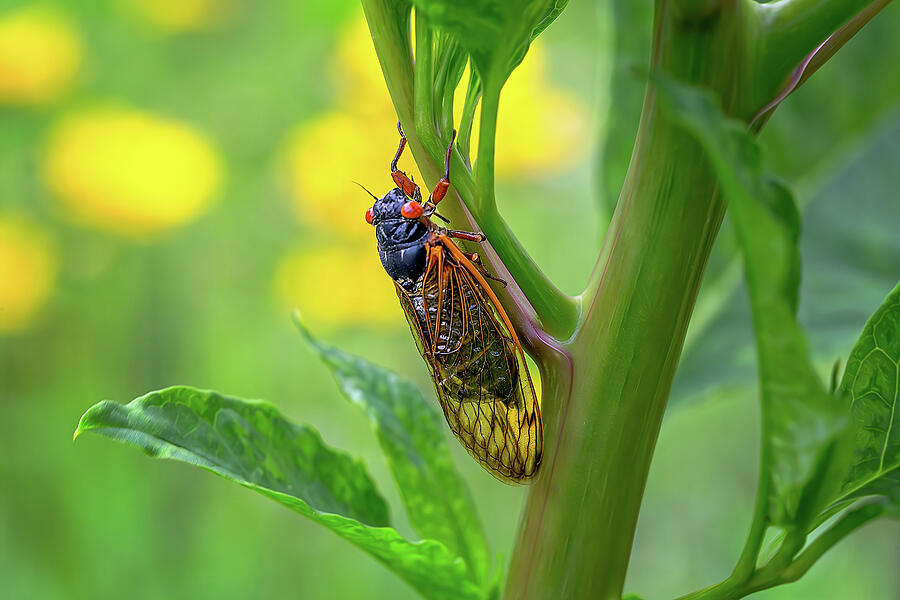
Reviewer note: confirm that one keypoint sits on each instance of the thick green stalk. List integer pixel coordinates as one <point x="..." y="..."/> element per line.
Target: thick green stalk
<point x="579" y="522"/>
<point x="484" y="165"/>
<point x="581" y="514"/>
<point x="389" y="25"/>
<point x="557" y="311"/>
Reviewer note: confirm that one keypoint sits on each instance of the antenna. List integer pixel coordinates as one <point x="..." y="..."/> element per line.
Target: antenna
<point x="367" y="190"/>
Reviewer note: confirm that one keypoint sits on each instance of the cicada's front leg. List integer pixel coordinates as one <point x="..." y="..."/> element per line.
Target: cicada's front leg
<point x="474" y="258"/>
<point x="440" y="190"/>
<point x="403" y="182"/>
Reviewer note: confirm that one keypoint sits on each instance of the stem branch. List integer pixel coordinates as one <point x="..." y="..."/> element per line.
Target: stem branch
<point x="557" y="312"/>
<point x="850" y="522"/>
<point x="784" y="568"/>
<point x="791" y="30"/>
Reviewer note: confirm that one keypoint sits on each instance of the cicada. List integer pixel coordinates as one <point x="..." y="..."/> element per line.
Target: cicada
<point x="461" y="330"/>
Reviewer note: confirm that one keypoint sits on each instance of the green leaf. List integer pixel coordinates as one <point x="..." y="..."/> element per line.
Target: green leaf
<point x="247" y="442"/>
<point x="495" y="33"/>
<point x="870" y="388"/>
<point x="251" y="444"/>
<point x="553" y="10"/>
<point x="804" y="428"/>
<point x="413" y="437"/>
<point x="846" y="245"/>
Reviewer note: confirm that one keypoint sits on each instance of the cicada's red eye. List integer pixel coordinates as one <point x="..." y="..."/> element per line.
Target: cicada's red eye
<point x="411" y="210"/>
<point x="370" y="216"/>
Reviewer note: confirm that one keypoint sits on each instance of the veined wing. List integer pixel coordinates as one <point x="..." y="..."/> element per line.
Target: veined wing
<point x="477" y="364"/>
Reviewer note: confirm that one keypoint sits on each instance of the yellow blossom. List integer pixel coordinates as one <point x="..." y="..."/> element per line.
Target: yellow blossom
<point x="27" y="272"/>
<point x="129" y="171"/>
<point x="338" y="285"/>
<point x="541" y="129"/>
<point x="179" y="16"/>
<point x="40" y="54"/>
<point x="357" y="75"/>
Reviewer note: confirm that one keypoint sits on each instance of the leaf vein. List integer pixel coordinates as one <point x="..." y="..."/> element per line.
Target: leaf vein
<point x="887" y="436"/>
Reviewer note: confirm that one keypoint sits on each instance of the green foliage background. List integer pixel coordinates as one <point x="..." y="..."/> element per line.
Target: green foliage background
<point x="196" y="307"/>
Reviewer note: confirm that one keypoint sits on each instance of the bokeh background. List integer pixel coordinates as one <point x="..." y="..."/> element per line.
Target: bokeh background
<point x="176" y="176"/>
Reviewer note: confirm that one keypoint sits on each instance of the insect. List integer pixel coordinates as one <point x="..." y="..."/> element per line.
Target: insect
<point x="461" y="330"/>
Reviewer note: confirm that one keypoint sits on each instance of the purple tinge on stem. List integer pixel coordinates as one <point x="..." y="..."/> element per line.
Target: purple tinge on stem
<point x="794" y="81"/>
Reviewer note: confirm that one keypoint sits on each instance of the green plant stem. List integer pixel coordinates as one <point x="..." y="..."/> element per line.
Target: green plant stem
<point x="720" y="591"/>
<point x="426" y="121"/>
<point x="581" y="514"/>
<point x="487" y="133"/>
<point x="779" y="571"/>
<point x="746" y="563"/>
<point x="824" y="52"/>
<point x="452" y="207"/>
<point x="557" y="312"/>
<point x="850" y="522"/>
<point x="388" y="23"/>
<point x="473" y="96"/>
<point x="445" y="82"/>
<point x="800" y="25"/>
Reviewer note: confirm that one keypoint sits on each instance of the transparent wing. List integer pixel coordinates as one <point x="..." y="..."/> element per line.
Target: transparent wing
<point x="478" y="367"/>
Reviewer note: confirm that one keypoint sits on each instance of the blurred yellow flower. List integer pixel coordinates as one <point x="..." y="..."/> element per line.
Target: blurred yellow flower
<point x="326" y="156"/>
<point x="357" y="75"/>
<point x="541" y="129"/>
<point x="27" y="272"/>
<point x="129" y="171"/>
<point x="179" y="16"/>
<point x="338" y="285"/>
<point x="40" y="54"/>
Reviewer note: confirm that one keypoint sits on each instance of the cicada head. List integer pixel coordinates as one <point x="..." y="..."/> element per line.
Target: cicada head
<point x="401" y="235"/>
<point x="388" y="207"/>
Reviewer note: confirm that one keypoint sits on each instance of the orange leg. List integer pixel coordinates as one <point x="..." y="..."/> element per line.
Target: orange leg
<point x="466" y="235"/>
<point x="476" y="260"/>
<point x="403" y="182"/>
<point x="440" y="190"/>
